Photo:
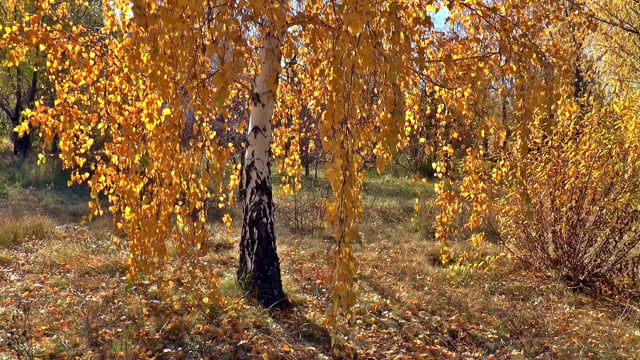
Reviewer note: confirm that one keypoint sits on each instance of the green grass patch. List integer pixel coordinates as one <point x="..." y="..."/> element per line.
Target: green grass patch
<point x="229" y="287"/>
<point x="28" y="173"/>
<point x="396" y="188"/>
<point x="16" y="172"/>
<point x="6" y="257"/>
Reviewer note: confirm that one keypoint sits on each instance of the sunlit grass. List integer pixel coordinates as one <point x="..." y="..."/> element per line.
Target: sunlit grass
<point x="16" y="230"/>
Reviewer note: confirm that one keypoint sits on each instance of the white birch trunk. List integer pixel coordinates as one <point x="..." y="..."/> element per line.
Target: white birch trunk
<point x="259" y="269"/>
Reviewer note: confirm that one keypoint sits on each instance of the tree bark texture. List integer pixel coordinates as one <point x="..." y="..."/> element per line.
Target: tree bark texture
<point x="259" y="268"/>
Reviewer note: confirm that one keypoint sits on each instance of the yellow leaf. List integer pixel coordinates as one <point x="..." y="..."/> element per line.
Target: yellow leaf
<point x="22" y="129"/>
<point x="616" y="109"/>
<point x="179" y="221"/>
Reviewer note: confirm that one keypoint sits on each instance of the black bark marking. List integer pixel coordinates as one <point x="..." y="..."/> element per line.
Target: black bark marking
<point x="255" y="99"/>
<point x="254" y="132"/>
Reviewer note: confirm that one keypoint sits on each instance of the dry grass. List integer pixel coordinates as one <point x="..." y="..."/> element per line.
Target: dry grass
<point x="67" y="295"/>
<point x="16" y="230"/>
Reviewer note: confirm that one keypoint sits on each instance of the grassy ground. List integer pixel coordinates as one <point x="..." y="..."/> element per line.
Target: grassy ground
<point x="63" y="291"/>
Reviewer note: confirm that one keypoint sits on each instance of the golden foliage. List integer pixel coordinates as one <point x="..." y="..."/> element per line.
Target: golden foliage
<point x="542" y="132"/>
<point x="142" y="106"/>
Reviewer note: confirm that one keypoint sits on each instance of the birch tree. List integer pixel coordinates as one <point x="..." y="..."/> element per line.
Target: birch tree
<point x="259" y="270"/>
<point x="154" y="63"/>
<point x="159" y="74"/>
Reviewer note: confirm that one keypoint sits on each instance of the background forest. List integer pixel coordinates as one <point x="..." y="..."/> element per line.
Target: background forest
<point x="452" y="179"/>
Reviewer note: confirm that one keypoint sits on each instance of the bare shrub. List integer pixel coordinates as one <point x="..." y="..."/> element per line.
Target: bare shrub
<point x="576" y="207"/>
<point x="304" y="211"/>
